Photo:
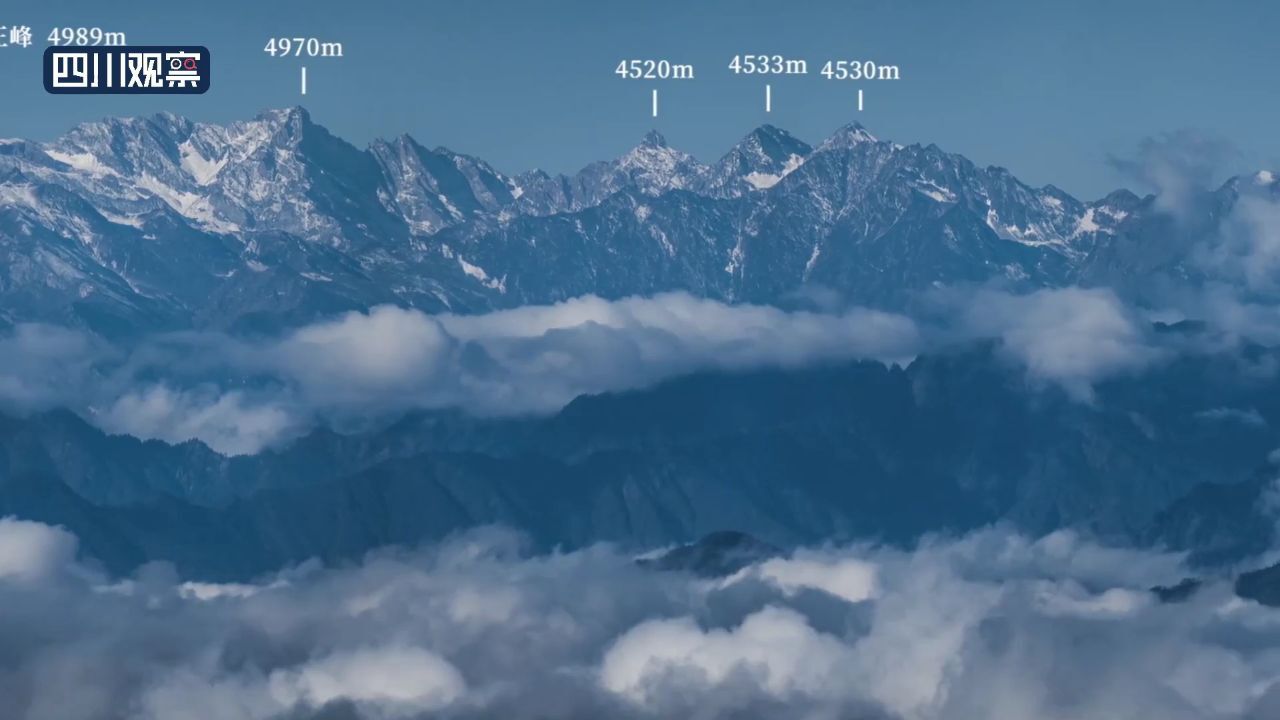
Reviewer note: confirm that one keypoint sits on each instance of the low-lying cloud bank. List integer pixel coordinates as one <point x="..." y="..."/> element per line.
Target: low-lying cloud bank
<point x="992" y="625"/>
<point x="1070" y="336"/>
<point x="239" y="394"/>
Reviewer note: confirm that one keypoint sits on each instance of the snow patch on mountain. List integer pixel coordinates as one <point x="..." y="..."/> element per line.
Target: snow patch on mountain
<point x="81" y="161"/>
<point x="23" y="195"/>
<point x="764" y="181"/>
<point x="189" y="205"/>
<point x="202" y="170"/>
<point x="130" y="220"/>
<point x="1087" y="224"/>
<point x="477" y="272"/>
<point x="935" y="191"/>
<point x="813" y="259"/>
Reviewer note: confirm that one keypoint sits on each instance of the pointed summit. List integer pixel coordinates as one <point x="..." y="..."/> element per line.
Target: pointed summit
<point x="172" y="123"/>
<point x="758" y="161"/>
<point x="848" y="136"/>
<point x="287" y="124"/>
<point x="297" y="113"/>
<point x="438" y="188"/>
<point x="769" y="132"/>
<point x="653" y="139"/>
<point x="773" y="143"/>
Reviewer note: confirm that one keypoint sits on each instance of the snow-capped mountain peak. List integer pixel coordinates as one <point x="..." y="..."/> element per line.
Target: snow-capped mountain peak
<point x="848" y="136"/>
<point x="655" y="167"/>
<point x="204" y="223"/>
<point x="758" y="161"/>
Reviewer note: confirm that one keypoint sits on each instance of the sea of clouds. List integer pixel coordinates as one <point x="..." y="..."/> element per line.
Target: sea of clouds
<point x="993" y="625"/>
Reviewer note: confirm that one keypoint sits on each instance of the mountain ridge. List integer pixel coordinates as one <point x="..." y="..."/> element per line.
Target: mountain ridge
<point x="137" y="224"/>
<point x="842" y="451"/>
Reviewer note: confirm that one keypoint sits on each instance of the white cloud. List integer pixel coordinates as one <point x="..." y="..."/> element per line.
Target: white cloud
<point x="1177" y="166"/>
<point x="1072" y="336"/>
<point x="46" y="365"/>
<point x="31" y="551"/>
<point x="992" y="625"/>
<point x="850" y="579"/>
<point x="773" y="647"/>
<point x="1246" y="250"/>
<point x="536" y="359"/>
<point x="227" y="422"/>
<point x="239" y="396"/>
<point x="366" y="358"/>
<point x="1073" y="600"/>
<point x="396" y="678"/>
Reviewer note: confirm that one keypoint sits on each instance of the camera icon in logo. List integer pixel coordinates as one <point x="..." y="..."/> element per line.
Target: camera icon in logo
<point x="183" y="70"/>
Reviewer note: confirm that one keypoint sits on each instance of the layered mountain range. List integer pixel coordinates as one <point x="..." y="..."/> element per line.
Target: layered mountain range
<point x="138" y="224"/>
<point x="847" y="451"/>
<point x="128" y="227"/>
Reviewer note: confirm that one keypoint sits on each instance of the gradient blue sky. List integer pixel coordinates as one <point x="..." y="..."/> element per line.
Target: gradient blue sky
<point x="1045" y="89"/>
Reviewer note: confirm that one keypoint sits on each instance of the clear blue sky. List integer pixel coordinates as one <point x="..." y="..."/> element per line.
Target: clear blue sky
<point x="1045" y="89"/>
